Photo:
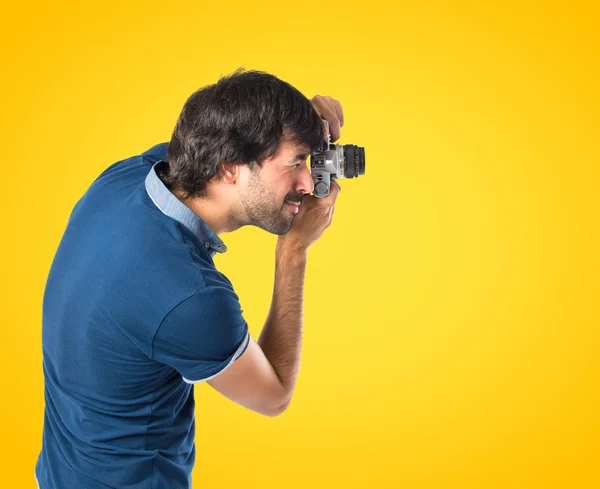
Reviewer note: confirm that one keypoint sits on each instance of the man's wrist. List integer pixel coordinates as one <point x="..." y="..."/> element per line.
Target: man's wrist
<point x="291" y="249"/>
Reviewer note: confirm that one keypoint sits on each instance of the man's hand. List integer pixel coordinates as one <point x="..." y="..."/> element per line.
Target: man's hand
<point x="330" y="110"/>
<point x="314" y="216"/>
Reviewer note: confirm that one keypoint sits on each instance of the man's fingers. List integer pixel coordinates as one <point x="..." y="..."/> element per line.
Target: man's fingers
<point x="339" y="112"/>
<point x="330" y="110"/>
<point x="334" y="128"/>
<point x="333" y="182"/>
<point x="328" y="113"/>
<point x="334" y="191"/>
<point x="326" y="129"/>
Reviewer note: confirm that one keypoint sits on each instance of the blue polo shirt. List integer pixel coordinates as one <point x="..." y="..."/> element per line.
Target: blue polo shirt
<point x="134" y="313"/>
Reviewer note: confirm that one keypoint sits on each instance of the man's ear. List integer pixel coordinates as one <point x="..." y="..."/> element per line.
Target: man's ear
<point x="229" y="172"/>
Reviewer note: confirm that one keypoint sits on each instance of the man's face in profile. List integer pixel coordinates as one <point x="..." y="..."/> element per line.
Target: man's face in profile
<point x="271" y="188"/>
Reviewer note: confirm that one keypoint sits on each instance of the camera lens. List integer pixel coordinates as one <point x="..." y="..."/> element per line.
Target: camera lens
<point x="354" y="160"/>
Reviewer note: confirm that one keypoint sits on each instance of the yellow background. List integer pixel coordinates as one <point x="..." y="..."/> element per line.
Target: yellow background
<point x="451" y="334"/>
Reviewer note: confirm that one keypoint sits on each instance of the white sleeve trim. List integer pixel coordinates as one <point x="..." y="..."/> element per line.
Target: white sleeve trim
<point x="237" y="353"/>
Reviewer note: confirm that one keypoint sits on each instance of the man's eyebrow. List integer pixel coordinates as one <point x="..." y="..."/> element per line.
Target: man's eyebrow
<point x="300" y="157"/>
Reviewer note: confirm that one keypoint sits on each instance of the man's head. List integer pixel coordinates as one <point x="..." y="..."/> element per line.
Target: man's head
<point x="251" y="132"/>
<point x="267" y="193"/>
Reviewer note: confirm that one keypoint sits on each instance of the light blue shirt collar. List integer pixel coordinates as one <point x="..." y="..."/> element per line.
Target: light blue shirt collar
<point x="175" y="209"/>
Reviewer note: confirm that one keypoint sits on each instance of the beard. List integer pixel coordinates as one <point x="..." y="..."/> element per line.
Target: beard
<point x="266" y="210"/>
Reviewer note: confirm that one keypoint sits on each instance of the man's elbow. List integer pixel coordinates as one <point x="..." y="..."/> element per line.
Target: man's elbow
<point x="278" y="410"/>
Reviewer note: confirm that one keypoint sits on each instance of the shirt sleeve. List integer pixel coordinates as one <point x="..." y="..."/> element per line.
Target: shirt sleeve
<point x="202" y="335"/>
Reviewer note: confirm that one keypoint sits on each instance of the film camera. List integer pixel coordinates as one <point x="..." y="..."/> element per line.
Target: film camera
<point x="334" y="161"/>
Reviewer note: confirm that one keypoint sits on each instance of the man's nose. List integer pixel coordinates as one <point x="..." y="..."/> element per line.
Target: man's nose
<point x="305" y="182"/>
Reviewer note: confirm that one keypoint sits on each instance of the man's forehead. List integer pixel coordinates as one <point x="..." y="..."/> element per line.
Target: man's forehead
<point x="291" y="148"/>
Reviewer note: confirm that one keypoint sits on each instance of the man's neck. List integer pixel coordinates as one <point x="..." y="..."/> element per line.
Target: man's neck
<point x="212" y="211"/>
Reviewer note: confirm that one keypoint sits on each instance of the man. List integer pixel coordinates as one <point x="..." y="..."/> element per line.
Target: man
<point x="135" y="311"/>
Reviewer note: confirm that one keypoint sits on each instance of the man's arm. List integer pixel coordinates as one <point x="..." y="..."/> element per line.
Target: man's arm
<point x="263" y="378"/>
<point x="281" y="336"/>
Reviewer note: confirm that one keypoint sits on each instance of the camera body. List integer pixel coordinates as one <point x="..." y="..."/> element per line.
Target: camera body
<point x="334" y="161"/>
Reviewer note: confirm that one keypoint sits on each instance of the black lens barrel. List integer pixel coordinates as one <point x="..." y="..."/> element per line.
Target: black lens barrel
<point x="354" y="157"/>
